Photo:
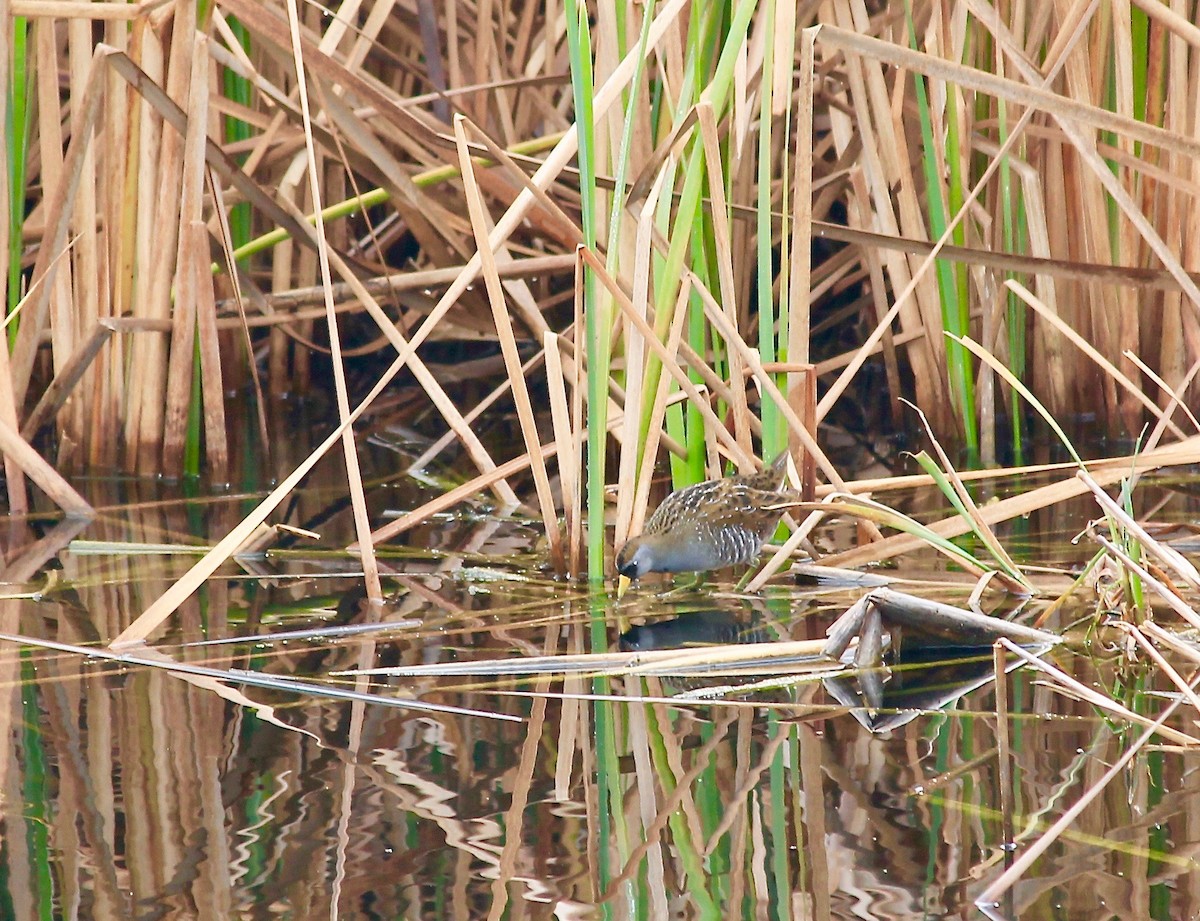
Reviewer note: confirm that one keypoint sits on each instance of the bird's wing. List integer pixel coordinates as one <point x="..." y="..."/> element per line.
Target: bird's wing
<point x="680" y="506"/>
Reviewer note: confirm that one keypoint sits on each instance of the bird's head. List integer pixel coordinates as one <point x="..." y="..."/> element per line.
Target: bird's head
<point x="635" y="559"/>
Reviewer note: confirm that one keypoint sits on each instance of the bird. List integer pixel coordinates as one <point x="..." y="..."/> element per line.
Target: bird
<point x="710" y="525"/>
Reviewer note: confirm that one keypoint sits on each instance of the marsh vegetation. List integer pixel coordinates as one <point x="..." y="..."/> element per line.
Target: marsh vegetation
<point x="345" y="344"/>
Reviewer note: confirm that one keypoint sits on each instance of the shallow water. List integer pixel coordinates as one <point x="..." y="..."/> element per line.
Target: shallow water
<point x="130" y="792"/>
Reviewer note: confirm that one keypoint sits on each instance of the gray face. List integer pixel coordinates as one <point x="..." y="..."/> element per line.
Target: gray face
<point x="635" y="559"/>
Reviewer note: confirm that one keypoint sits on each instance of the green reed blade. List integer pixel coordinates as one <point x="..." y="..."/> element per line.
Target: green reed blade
<point x="579" y="49"/>
<point x="952" y="281"/>
<point x="16" y="147"/>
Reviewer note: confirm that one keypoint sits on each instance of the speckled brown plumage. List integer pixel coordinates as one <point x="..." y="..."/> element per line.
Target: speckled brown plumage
<point x="710" y="525"/>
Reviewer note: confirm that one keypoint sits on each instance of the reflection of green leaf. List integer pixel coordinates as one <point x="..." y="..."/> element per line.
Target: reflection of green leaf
<point x="1033" y="824"/>
<point x="37" y="792"/>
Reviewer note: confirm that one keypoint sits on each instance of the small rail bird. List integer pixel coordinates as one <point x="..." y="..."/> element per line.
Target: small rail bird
<point x="710" y="525"/>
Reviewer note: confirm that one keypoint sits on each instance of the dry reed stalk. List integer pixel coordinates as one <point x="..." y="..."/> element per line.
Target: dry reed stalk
<point x="85" y="307"/>
<point x="145" y="131"/>
<point x="362" y="524"/>
<point x="916" y="306"/>
<point x="1165" y="553"/>
<point x="570" y="477"/>
<point x="508" y="346"/>
<point x="212" y="391"/>
<point x="50" y="137"/>
<point x="226" y="238"/>
<point x="1085" y="148"/>
<point x="1086" y="151"/>
<point x="640" y="494"/>
<point x="1173" y="357"/>
<point x="1054" y="367"/>
<point x="80" y="9"/>
<point x="636" y="458"/>
<point x="58" y="206"/>
<point x="848" y="42"/>
<point x="1172" y="599"/>
<point x="65" y="381"/>
<point x="1058" y="268"/>
<point x="285" y="303"/>
<point x="106" y="400"/>
<point x="1178" y="645"/>
<point x="181" y="356"/>
<point x="1032" y="96"/>
<point x="1160" y="661"/>
<point x="888" y="342"/>
<point x="981" y="529"/>
<point x="182" y="68"/>
<point x="1175" y="401"/>
<point x="282" y="277"/>
<point x="750" y="356"/>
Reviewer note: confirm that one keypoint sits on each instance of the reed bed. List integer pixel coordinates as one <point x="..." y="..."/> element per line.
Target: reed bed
<point x="748" y="203"/>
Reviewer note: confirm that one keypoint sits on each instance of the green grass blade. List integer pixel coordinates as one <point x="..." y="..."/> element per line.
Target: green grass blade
<point x="579" y="48"/>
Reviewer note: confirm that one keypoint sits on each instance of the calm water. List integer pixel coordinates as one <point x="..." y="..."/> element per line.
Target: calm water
<point x="137" y="793"/>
